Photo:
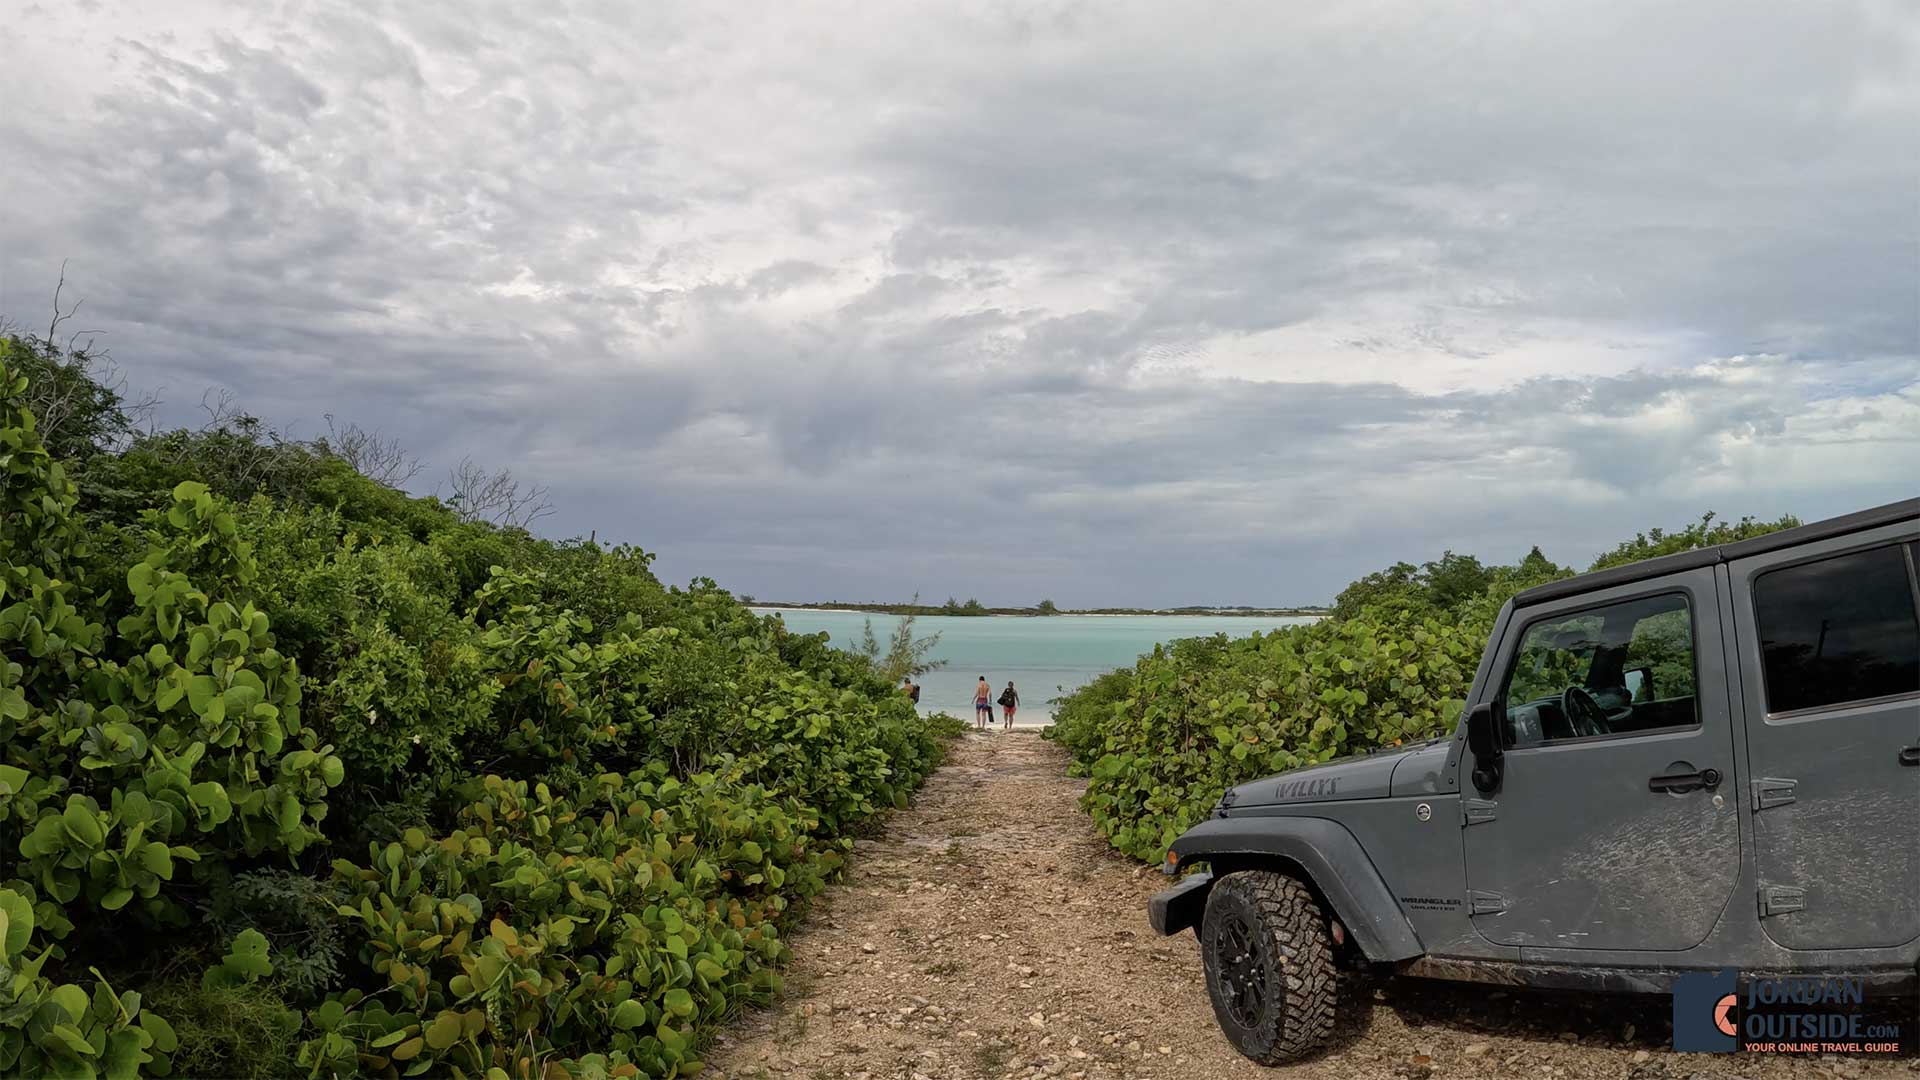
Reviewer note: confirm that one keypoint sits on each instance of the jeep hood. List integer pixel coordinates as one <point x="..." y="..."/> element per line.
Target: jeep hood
<point x="1360" y="776"/>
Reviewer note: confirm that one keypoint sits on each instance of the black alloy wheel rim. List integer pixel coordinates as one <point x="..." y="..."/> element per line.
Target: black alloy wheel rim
<point x="1241" y="958"/>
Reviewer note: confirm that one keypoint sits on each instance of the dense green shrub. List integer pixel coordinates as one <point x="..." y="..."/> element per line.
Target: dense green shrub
<point x="583" y="803"/>
<point x="606" y="923"/>
<point x="1162" y="740"/>
<point x="1081" y="718"/>
<point x="945" y="725"/>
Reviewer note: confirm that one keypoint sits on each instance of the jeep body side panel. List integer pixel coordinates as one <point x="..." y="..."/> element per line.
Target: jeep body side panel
<point x="1420" y="860"/>
<point x="1357" y="776"/>
<point x="1430" y="770"/>
<point x="1573" y="850"/>
<point x="1330" y="857"/>
<point x="1738" y="943"/>
<point x="1583" y="973"/>
<point x="1835" y="813"/>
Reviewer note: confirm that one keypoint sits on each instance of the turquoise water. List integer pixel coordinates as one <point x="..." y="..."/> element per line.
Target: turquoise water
<point x="1044" y="657"/>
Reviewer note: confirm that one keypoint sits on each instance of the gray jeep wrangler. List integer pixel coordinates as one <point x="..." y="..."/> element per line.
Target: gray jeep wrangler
<point x="1702" y="761"/>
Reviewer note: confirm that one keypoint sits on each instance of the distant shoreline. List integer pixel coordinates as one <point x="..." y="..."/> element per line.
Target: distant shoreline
<point x="1035" y="613"/>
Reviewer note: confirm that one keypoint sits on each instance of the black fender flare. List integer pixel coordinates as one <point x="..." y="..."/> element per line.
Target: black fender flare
<point x="1333" y="861"/>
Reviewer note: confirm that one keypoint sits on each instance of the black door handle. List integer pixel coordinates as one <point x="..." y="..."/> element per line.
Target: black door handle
<point x="1681" y="783"/>
<point x="1910" y="756"/>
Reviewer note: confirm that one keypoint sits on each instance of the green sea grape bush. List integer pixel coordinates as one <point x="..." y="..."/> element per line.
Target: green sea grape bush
<point x="1080" y="718"/>
<point x="1160" y="742"/>
<point x="585" y="804"/>
<point x="50" y="1028"/>
<point x="607" y="923"/>
<point x="174" y="735"/>
<point x="395" y="679"/>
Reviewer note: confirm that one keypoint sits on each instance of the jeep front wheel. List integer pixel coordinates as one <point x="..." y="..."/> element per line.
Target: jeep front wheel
<point x="1269" y="962"/>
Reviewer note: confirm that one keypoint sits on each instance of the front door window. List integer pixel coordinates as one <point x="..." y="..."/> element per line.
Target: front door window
<point x="1620" y="669"/>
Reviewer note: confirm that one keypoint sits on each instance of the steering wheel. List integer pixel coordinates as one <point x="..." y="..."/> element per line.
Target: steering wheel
<point x="1584" y="714"/>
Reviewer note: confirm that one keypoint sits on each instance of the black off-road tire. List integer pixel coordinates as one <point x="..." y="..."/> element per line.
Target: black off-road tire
<point x="1269" y="962"/>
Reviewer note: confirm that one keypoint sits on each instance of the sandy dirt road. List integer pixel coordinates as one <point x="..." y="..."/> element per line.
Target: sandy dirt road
<point x="986" y="932"/>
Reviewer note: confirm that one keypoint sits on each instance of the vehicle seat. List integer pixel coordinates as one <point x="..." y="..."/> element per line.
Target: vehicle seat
<point x="1553" y="721"/>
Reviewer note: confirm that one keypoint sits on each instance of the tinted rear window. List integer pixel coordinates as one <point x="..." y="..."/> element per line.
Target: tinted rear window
<point x="1837" y="630"/>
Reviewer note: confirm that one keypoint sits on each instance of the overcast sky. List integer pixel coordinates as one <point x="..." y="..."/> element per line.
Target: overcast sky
<point x="1113" y="304"/>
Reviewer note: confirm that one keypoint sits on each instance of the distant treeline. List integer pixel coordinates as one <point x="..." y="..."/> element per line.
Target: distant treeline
<point x="1044" y="607"/>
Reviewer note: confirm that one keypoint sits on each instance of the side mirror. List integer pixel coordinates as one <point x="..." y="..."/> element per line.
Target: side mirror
<point x="1639" y="683"/>
<point x="1488" y="747"/>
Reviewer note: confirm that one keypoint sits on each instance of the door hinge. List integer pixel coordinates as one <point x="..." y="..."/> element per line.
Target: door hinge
<point x="1781" y="899"/>
<point x="1477" y="811"/>
<point x="1770" y="792"/>
<point x="1486" y="903"/>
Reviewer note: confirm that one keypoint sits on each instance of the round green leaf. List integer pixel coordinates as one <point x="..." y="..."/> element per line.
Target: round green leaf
<point x="16" y="922"/>
<point x="72" y="1000"/>
<point x="70" y="1036"/>
<point x="444" y="1031"/>
<point x="164" y="1040"/>
<point x="158" y="860"/>
<point x="629" y="1014"/>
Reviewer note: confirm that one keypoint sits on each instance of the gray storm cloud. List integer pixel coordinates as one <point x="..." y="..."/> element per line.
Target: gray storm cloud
<point x="1111" y="304"/>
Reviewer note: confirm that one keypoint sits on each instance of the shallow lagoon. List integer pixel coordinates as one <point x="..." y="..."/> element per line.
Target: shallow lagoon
<point x="1044" y="656"/>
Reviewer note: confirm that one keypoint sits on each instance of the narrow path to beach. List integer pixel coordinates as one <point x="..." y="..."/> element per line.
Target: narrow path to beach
<point x="987" y="932"/>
